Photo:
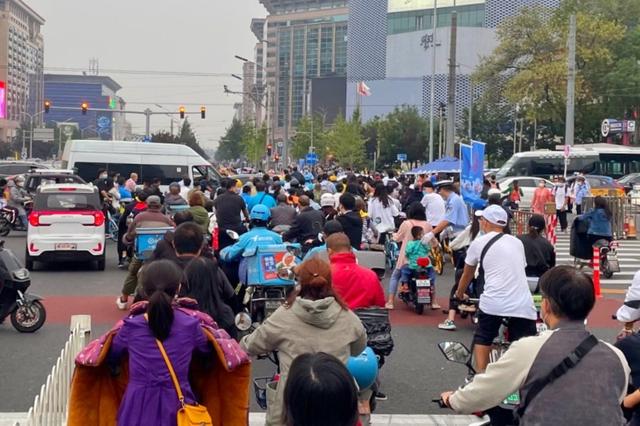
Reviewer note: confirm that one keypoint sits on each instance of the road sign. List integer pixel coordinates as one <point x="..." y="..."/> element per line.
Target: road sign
<point x="402" y="157"/>
<point x="312" y="158"/>
<point x="611" y="126"/>
<point x="146" y="139"/>
<point x="45" y="135"/>
<point x="567" y="151"/>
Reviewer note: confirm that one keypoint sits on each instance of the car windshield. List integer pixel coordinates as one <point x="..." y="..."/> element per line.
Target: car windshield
<point x="65" y="201"/>
<point x="629" y="178"/>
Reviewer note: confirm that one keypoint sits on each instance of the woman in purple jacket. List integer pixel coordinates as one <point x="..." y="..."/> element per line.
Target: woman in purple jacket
<point x="151" y="398"/>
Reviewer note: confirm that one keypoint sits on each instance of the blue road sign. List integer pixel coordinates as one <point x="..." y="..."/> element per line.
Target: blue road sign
<point x="312" y="158"/>
<point x="402" y="157"/>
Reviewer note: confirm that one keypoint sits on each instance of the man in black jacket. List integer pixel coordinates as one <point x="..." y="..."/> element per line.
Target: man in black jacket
<point x="350" y="220"/>
<point x="307" y="225"/>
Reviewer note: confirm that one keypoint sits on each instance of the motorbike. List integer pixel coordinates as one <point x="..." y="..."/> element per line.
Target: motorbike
<point x="419" y="291"/>
<point x="581" y="249"/>
<point x="10" y="221"/>
<point x="268" y="281"/>
<point x="503" y="414"/>
<point x="26" y="310"/>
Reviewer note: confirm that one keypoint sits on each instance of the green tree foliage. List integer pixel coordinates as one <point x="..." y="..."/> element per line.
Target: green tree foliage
<point x="230" y="147"/>
<point x="404" y="131"/>
<point x="346" y="143"/>
<point x="307" y="129"/>
<point x="254" y="143"/>
<point x="163" y="137"/>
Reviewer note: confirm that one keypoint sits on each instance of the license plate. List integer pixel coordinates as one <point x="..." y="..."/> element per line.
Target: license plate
<point x="272" y="305"/>
<point x="423" y="283"/>
<point x="513" y="399"/>
<point x="66" y="246"/>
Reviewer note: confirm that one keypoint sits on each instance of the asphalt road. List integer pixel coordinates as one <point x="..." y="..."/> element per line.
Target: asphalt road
<point x="413" y="374"/>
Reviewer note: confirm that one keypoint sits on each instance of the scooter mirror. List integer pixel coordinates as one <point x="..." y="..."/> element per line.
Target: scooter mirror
<point x="243" y="321"/>
<point x="285" y="273"/>
<point x="455" y="352"/>
<point x="233" y="235"/>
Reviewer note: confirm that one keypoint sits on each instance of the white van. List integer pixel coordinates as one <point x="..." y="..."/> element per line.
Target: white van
<point x="168" y="162"/>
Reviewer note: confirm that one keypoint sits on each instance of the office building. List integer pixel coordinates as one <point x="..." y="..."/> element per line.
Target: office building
<point x="99" y="92"/>
<point x="300" y="40"/>
<point x="21" y="67"/>
<point x="390" y="48"/>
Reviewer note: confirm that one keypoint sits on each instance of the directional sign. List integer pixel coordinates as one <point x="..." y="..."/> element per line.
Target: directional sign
<point x="312" y="158"/>
<point x="45" y="135"/>
<point x="402" y="157"/>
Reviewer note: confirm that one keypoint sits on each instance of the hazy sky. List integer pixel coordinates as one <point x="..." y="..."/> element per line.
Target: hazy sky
<point x="161" y="35"/>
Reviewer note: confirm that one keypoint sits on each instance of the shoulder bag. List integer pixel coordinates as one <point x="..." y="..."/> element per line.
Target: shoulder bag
<point x="188" y="414"/>
<point x="479" y="283"/>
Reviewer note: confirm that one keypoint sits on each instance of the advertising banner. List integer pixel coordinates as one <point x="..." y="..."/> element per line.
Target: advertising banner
<point x="471" y="171"/>
<point x="3" y="100"/>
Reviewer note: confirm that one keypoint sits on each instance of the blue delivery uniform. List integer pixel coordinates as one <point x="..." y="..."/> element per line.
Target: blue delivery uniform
<point x="249" y="242"/>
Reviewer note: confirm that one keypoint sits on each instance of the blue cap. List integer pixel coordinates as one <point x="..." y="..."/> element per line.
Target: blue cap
<point x="260" y="212"/>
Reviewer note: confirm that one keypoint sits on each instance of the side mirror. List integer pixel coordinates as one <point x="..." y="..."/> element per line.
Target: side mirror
<point x="455" y="352"/>
<point x="286" y="274"/>
<point x="243" y="321"/>
<point x="233" y="235"/>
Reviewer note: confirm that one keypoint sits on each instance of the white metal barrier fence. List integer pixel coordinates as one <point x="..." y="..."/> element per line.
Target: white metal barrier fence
<point x="50" y="407"/>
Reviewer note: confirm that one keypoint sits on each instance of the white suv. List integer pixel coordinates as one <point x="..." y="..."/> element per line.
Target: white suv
<point x="66" y="224"/>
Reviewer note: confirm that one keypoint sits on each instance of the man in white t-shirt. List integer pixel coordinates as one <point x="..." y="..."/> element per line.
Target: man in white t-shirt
<point x="433" y="204"/>
<point x="506" y="292"/>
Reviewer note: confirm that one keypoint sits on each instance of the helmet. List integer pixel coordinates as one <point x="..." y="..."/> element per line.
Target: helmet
<point x="364" y="368"/>
<point x="260" y="212"/>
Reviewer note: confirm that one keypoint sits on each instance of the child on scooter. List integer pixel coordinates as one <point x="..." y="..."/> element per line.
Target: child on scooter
<point x="416" y="250"/>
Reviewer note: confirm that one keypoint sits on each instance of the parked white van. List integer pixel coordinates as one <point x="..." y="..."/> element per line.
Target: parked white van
<point x="168" y="162"/>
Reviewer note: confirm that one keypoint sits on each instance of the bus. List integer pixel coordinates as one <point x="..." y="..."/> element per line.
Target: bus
<point x="593" y="159"/>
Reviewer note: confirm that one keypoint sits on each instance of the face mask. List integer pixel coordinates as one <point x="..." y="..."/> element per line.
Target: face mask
<point x="104" y="176"/>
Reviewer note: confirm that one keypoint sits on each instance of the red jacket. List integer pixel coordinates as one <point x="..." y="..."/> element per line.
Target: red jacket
<point x="357" y="286"/>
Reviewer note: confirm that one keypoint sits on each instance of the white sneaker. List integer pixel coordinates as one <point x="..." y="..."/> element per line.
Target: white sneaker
<point x="447" y="325"/>
<point x="120" y="304"/>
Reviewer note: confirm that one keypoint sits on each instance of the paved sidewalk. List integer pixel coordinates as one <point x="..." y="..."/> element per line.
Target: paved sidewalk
<point x="257" y="419"/>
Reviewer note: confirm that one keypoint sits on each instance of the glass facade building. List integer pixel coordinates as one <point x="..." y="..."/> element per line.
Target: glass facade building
<point x="305" y="50"/>
<point x="417" y="20"/>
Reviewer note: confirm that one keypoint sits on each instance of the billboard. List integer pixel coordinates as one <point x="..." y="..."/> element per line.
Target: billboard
<point x="407" y="5"/>
<point x="3" y="100"/>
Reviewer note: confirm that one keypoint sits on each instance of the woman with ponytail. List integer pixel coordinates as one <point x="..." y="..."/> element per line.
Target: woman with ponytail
<point x="150" y="397"/>
<point x="313" y="319"/>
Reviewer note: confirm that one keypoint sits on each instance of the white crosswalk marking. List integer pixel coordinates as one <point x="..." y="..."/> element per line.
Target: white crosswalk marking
<point x="628" y="256"/>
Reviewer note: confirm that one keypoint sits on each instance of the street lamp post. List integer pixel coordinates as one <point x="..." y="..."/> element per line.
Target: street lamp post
<point x="433" y="76"/>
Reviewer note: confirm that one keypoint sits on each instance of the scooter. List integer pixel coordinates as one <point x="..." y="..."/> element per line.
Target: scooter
<point x="10" y="221"/>
<point x="26" y="310"/>
<point x="268" y="281"/>
<point x="502" y="415"/>
<point x="420" y="289"/>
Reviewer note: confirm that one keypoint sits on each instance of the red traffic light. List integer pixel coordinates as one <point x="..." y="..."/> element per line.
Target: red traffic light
<point x="47" y="106"/>
<point x="182" y="112"/>
<point x="85" y="107"/>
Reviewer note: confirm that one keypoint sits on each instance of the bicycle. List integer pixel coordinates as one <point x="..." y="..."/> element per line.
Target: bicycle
<point x="111" y="227"/>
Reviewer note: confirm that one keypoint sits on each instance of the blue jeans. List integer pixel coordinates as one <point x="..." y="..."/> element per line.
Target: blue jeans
<point x="407" y="272"/>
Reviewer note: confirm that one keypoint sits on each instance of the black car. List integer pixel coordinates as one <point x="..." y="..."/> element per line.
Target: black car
<point x="33" y="180"/>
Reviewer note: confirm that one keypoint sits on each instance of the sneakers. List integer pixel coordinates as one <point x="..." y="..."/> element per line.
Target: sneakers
<point x="120" y="304"/>
<point x="447" y="325"/>
<point x="381" y="396"/>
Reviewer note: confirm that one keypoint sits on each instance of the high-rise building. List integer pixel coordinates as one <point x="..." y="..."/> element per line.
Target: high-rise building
<point x="391" y="44"/>
<point x="21" y="67"/>
<point x="300" y="40"/>
<point x="99" y="92"/>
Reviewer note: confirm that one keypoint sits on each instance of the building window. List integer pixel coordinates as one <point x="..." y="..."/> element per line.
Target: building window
<point x="326" y="51"/>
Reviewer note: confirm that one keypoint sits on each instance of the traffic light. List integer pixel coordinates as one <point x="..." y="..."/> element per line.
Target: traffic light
<point x="47" y="106"/>
<point x="203" y="112"/>
<point x="269" y="150"/>
<point x="182" y="111"/>
<point x="85" y="108"/>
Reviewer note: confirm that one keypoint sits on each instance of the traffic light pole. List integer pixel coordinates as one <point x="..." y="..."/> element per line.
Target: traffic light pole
<point x="147" y="113"/>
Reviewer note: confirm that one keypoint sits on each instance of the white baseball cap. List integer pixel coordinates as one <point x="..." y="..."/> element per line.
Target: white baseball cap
<point x="494" y="214"/>
<point x="327" y="200"/>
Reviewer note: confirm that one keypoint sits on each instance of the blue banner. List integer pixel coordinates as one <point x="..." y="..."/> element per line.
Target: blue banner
<point x="472" y="171"/>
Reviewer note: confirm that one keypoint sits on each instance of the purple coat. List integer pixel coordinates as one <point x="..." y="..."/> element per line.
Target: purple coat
<point x="150" y="397"/>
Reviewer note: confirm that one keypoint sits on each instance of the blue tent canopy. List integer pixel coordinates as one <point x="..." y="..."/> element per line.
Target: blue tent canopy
<point x="442" y="165"/>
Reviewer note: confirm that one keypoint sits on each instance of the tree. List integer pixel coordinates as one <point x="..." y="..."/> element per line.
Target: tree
<point x="254" y="142"/>
<point x="186" y="136"/>
<point x="230" y="147"/>
<point x="307" y="130"/>
<point x="163" y="137"/>
<point x="346" y="143"/>
<point x="403" y="131"/>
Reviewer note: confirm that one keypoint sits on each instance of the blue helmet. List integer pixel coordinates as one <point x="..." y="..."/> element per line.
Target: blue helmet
<point x="364" y="368"/>
<point x="260" y="212"/>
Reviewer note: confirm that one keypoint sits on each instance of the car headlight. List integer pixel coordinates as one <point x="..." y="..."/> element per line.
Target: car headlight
<point x="243" y="321"/>
<point x="21" y="274"/>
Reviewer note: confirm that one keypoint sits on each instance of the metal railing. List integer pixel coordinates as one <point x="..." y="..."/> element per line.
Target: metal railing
<point x="625" y="214"/>
<point x="50" y="407"/>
